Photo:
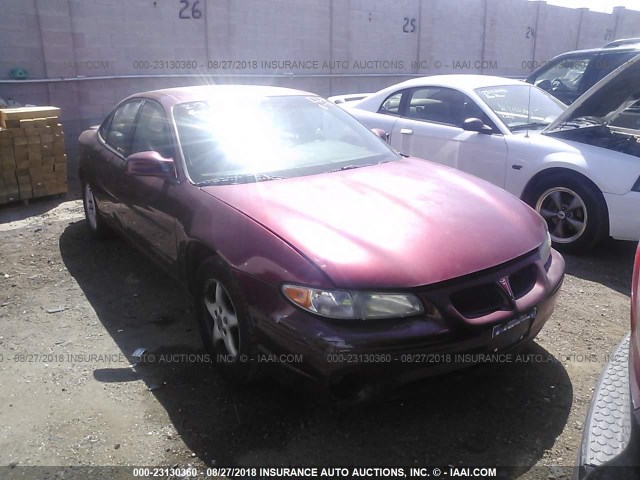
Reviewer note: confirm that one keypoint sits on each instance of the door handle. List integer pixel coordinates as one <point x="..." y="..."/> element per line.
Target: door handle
<point x="406" y="131"/>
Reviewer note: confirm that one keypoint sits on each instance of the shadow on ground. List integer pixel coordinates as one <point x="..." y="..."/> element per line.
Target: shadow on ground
<point x="610" y="263"/>
<point x="506" y="414"/>
<point x="37" y="206"/>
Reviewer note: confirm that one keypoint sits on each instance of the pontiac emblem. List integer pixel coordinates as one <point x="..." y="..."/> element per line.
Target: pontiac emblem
<point x="506" y="286"/>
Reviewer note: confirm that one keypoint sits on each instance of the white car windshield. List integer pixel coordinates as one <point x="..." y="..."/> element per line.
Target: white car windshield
<point x="521" y="106"/>
<point x="243" y="139"/>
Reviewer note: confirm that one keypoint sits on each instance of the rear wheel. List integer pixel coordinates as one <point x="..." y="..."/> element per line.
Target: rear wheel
<point x="97" y="226"/>
<point x="575" y="212"/>
<point x="225" y="325"/>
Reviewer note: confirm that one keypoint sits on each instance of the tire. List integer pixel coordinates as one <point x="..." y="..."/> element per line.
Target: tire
<point x="226" y="328"/>
<point x="574" y="209"/>
<point x="97" y="226"/>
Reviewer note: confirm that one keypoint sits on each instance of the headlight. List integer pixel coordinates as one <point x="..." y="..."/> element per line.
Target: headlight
<point x="342" y="304"/>
<point x="545" y="249"/>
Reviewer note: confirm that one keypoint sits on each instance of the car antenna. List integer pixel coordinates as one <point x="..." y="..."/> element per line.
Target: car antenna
<point x="528" y="112"/>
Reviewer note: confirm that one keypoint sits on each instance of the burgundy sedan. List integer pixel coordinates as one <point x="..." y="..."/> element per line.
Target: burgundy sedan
<point x="307" y="240"/>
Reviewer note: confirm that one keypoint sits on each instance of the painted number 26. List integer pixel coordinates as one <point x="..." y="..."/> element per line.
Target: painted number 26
<point x="184" y="11"/>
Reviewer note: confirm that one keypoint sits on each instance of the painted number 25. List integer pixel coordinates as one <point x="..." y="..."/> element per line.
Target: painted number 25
<point x="184" y="11"/>
<point x="409" y="25"/>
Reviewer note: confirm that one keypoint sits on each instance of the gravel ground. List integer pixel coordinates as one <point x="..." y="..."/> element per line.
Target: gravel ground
<point x="72" y="312"/>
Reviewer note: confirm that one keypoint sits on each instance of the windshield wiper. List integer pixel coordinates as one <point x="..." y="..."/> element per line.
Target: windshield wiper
<point x="524" y="126"/>
<point x="235" y="179"/>
<point x="351" y="167"/>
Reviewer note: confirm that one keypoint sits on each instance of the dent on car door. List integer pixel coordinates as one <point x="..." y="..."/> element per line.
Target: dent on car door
<point x="117" y="137"/>
<point x="431" y="128"/>
<point x="148" y="215"/>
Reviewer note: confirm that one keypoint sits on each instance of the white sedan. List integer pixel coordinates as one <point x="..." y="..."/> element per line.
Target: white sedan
<point x="578" y="167"/>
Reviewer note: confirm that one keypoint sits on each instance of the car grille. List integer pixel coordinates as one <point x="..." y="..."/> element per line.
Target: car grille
<point x="480" y="300"/>
<point x="486" y="298"/>
<point x="523" y="281"/>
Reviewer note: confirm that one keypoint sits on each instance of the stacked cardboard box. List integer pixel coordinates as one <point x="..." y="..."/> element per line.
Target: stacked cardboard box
<point x="33" y="162"/>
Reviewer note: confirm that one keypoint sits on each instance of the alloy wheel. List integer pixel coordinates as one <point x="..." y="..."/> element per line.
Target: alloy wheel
<point x="223" y="319"/>
<point x="565" y="213"/>
<point x="90" y="207"/>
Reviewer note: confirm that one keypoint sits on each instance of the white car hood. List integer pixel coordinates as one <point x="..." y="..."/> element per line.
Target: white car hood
<point x="607" y="98"/>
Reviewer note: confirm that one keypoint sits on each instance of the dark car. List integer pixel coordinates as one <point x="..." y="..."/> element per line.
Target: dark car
<point x="570" y="74"/>
<point x="611" y="441"/>
<point x="302" y="235"/>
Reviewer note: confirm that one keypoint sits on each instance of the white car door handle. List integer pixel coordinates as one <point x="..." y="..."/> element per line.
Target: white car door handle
<point x="406" y="131"/>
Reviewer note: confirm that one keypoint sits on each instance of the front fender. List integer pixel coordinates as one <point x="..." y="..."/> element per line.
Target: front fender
<point x="612" y="172"/>
<point x="243" y="243"/>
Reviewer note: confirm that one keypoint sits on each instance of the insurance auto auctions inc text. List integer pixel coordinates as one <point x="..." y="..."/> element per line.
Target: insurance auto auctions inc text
<point x="360" y="472"/>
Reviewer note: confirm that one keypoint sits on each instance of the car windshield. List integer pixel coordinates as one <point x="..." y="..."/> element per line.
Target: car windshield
<point x="244" y="139"/>
<point x="521" y="106"/>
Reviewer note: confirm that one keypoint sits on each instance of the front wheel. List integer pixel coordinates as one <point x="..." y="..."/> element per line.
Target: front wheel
<point x="97" y="227"/>
<point x="225" y="325"/>
<point x="575" y="212"/>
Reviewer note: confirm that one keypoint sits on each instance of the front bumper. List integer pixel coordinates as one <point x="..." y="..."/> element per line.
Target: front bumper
<point x="611" y="440"/>
<point x="397" y="351"/>
<point x="624" y="222"/>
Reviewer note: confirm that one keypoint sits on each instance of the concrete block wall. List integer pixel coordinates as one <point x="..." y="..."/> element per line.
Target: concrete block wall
<point x="510" y="34"/>
<point x="346" y="45"/>
<point x="451" y="40"/>
<point x="557" y="31"/>
<point x="596" y="29"/>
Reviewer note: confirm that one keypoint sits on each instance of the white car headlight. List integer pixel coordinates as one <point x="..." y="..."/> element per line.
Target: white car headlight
<point x="545" y="249"/>
<point x="342" y="304"/>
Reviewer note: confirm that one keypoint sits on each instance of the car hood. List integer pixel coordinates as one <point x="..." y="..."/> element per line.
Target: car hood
<point x="606" y="99"/>
<point x="399" y="224"/>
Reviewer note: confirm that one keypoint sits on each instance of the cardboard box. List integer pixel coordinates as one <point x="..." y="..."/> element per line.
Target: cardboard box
<point x="25" y="191"/>
<point x="35" y="153"/>
<point x="33" y="160"/>
<point x="21" y="152"/>
<point x="27" y="123"/>
<point x="17" y="114"/>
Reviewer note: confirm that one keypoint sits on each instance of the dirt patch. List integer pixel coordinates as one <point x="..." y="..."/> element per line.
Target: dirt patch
<point x="73" y="311"/>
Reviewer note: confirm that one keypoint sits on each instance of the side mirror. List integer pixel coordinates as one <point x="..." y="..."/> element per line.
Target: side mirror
<point x="475" y="125"/>
<point x="150" y="164"/>
<point x="381" y="133"/>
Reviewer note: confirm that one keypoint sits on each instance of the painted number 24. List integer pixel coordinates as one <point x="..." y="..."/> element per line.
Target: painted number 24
<point x="184" y="11"/>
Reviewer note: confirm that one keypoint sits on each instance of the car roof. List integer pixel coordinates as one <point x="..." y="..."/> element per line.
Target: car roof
<point x="463" y="81"/>
<point x="173" y="96"/>
<point x="623" y="41"/>
<point x="627" y="47"/>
